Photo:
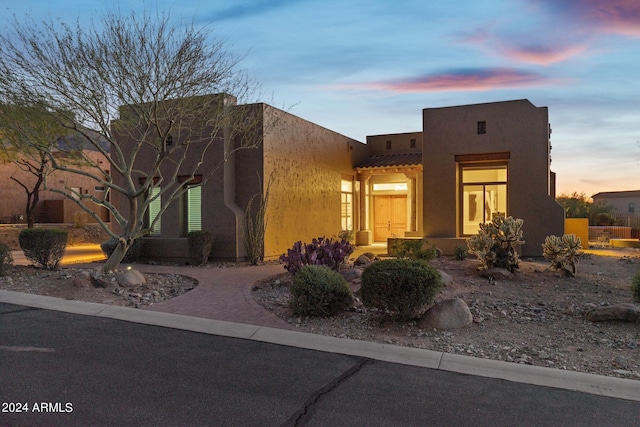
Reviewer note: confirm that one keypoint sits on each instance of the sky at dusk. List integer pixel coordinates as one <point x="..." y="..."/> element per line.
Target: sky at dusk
<point x="369" y="67"/>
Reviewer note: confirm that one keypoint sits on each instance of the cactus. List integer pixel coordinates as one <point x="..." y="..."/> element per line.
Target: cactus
<point x="321" y="251"/>
<point x="563" y="252"/>
<point x="496" y="242"/>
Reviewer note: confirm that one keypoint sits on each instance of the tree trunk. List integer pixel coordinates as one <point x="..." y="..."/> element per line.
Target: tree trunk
<point x="32" y="202"/>
<point x="116" y="257"/>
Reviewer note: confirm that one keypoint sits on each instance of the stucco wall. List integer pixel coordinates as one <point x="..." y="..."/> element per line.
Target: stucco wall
<point x="306" y="162"/>
<point x="13" y="198"/>
<point x="217" y="216"/>
<point x="515" y="127"/>
<point x="579" y="227"/>
<point x="620" y="201"/>
<point x="400" y="143"/>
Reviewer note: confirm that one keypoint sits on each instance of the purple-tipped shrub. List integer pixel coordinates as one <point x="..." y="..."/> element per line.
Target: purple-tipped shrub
<point x="321" y="251"/>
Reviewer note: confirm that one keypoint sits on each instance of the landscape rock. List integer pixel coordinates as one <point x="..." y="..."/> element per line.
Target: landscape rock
<point x="449" y="314"/>
<point x="131" y="278"/>
<point x="363" y="260"/>
<point x="446" y="279"/>
<point x="622" y="312"/>
<point x="351" y="274"/>
<point x="496" y="273"/>
<point x="82" y="280"/>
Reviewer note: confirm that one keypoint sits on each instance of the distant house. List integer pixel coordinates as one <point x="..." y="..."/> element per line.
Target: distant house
<point x="53" y="207"/>
<point x="622" y="202"/>
<point x="468" y="165"/>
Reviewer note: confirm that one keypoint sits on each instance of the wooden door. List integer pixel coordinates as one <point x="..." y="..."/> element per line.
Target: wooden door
<point x="389" y="216"/>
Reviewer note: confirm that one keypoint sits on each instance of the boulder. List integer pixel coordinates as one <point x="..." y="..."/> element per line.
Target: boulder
<point x="351" y="274"/>
<point x="622" y="312"/>
<point x="363" y="260"/>
<point x="131" y="278"/>
<point x="448" y="314"/>
<point x="496" y="273"/>
<point x="446" y="279"/>
<point x="83" y="280"/>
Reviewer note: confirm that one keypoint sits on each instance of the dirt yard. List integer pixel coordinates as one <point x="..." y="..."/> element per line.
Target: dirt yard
<point x="536" y="318"/>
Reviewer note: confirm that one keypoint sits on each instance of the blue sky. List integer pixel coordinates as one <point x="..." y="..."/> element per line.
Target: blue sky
<point x="369" y="67"/>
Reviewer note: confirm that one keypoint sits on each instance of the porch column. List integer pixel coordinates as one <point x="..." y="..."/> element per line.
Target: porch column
<point x="364" y="235"/>
<point x="413" y="176"/>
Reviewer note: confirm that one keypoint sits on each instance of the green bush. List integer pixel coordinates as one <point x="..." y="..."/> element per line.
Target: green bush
<point x="402" y="287"/>
<point x="635" y="287"/>
<point x="5" y="259"/>
<point x="109" y="245"/>
<point x="460" y="253"/>
<point x="319" y="291"/>
<point x="415" y="249"/>
<point x="200" y="243"/>
<point x="43" y="246"/>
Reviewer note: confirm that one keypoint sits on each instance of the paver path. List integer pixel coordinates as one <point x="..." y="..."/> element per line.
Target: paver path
<point x="221" y="294"/>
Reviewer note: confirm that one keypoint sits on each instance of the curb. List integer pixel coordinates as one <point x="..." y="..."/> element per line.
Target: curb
<point x="619" y="388"/>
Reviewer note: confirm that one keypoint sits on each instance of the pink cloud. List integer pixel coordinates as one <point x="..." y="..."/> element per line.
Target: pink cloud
<point x="543" y="55"/>
<point x="458" y="81"/>
<point x="615" y="16"/>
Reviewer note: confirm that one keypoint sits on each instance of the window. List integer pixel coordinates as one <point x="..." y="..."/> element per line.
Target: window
<point x="631" y="208"/>
<point x="482" y="128"/>
<point x="193" y="205"/>
<point x="390" y="186"/>
<point x="153" y="211"/>
<point x="484" y="195"/>
<point x="76" y="192"/>
<point x="388" y="145"/>
<point x="169" y="140"/>
<point x="346" y="204"/>
<point x="412" y="143"/>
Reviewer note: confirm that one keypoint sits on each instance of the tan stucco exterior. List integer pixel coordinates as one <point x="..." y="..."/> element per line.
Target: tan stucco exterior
<point x="53" y="207"/>
<point x="305" y="164"/>
<point x="517" y="134"/>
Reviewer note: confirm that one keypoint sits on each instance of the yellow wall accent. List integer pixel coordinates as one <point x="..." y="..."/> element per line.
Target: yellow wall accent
<point x="579" y="227"/>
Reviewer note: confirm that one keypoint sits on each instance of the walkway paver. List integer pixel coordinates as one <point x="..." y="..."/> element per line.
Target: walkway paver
<point x="221" y="294"/>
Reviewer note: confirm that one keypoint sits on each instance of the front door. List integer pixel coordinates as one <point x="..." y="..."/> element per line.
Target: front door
<point x="389" y="216"/>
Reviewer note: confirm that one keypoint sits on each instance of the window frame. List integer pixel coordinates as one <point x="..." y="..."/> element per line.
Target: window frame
<point x="484" y="184"/>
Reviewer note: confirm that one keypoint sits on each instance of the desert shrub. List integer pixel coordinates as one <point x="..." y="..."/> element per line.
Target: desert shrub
<point x="5" y="259"/>
<point x="79" y="219"/>
<point x="604" y="219"/>
<point x="321" y="251"/>
<point x="460" y="253"/>
<point x="635" y="287"/>
<point x="563" y="252"/>
<point x="256" y="225"/>
<point x="415" y="249"/>
<point x="347" y="235"/>
<point x="496" y="242"/>
<point x="44" y="246"/>
<point x="401" y="286"/>
<point x="200" y="244"/>
<point x="319" y="291"/>
<point x="109" y="245"/>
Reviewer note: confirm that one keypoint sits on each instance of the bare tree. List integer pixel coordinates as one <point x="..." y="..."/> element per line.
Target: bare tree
<point x="26" y="136"/>
<point x="160" y="94"/>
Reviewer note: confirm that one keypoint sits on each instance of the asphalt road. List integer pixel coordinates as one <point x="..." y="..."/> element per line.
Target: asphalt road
<point x="67" y="370"/>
